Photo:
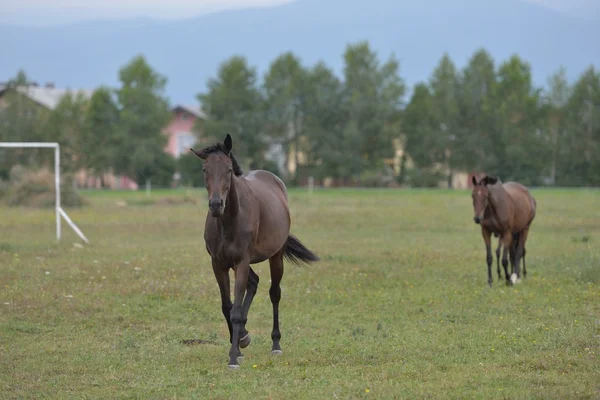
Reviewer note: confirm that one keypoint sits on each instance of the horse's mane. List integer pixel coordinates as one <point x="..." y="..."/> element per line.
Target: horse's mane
<point x="237" y="170"/>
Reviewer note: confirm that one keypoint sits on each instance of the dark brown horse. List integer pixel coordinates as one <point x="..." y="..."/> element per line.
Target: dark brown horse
<point x="507" y="211"/>
<point x="248" y="222"/>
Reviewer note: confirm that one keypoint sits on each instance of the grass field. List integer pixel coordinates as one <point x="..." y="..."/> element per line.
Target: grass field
<point x="398" y="307"/>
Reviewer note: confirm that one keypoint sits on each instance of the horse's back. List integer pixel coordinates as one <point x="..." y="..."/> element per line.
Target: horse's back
<point x="264" y="180"/>
<point x="523" y="202"/>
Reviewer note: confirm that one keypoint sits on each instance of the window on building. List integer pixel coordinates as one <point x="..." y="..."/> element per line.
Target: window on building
<point x="185" y="140"/>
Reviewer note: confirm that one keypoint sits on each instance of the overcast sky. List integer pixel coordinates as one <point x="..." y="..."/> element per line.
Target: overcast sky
<point x="51" y="12"/>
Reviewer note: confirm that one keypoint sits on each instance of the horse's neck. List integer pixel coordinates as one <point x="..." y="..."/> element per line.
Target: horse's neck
<point x="499" y="201"/>
<point x="230" y="219"/>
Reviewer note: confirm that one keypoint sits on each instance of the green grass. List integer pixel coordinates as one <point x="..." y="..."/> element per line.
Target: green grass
<point x="398" y="307"/>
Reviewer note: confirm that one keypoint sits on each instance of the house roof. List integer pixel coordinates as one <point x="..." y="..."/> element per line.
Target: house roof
<point x="49" y="97"/>
<point x="194" y="110"/>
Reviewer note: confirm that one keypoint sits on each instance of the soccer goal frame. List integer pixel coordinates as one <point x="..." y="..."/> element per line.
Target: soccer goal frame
<point x="58" y="209"/>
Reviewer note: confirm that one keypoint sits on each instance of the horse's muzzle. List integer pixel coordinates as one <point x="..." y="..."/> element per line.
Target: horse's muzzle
<point x="477" y="220"/>
<point x="216" y="207"/>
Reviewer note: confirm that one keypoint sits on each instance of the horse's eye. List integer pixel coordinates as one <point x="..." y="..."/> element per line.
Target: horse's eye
<point x="203" y="169"/>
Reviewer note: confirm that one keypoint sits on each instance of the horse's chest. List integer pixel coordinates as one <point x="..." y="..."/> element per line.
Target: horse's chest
<point x="226" y="251"/>
<point x="492" y="225"/>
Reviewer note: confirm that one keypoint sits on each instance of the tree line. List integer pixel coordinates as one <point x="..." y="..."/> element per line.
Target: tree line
<point x="482" y="117"/>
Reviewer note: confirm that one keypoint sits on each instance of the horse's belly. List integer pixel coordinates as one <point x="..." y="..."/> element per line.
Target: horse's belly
<point x="273" y="228"/>
<point x="267" y="247"/>
<point x="258" y="258"/>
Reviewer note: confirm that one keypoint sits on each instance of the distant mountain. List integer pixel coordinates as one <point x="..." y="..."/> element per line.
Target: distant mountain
<point x="188" y="52"/>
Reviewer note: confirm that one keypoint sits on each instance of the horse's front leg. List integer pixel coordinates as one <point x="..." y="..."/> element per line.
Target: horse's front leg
<point x="488" y="248"/>
<point x="253" y="279"/>
<point x="238" y="320"/>
<point x="498" y="259"/>
<point x="222" y="276"/>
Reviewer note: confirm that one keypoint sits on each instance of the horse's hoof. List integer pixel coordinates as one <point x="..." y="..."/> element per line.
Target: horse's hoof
<point x="233" y="366"/>
<point x="240" y="358"/>
<point x="513" y="278"/>
<point x="276" y="352"/>
<point x="245" y="341"/>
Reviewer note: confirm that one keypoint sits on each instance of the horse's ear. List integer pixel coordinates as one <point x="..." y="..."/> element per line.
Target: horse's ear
<point x="474" y="180"/>
<point x="228" y="143"/>
<point x="490" y="180"/>
<point x="200" y="154"/>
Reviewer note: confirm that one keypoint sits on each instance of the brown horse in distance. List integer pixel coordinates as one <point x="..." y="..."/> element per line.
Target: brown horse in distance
<point x="248" y="222"/>
<point x="506" y="210"/>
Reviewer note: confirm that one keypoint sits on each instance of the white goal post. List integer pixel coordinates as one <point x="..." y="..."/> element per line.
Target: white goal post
<point x="59" y="211"/>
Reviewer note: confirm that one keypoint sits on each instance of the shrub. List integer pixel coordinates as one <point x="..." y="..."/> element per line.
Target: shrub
<point x="158" y="168"/>
<point x="3" y="188"/>
<point x="190" y="168"/>
<point x="423" y="178"/>
<point x="36" y="189"/>
<point x="381" y="177"/>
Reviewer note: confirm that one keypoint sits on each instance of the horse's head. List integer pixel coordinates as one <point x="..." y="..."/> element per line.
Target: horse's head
<point x="219" y="167"/>
<point x="481" y="196"/>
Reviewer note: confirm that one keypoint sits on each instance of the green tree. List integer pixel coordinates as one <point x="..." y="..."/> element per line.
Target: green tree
<point x="444" y="85"/>
<point x="373" y="95"/>
<point x="286" y="102"/>
<point x="557" y="99"/>
<point x="580" y="164"/>
<point x="144" y="113"/>
<point x="102" y="133"/>
<point x="523" y="151"/>
<point x="66" y="125"/>
<point x="421" y="129"/>
<point x="21" y="120"/>
<point x="190" y="170"/>
<point x="329" y="147"/>
<point x="233" y="105"/>
<point x="477" y="119"/>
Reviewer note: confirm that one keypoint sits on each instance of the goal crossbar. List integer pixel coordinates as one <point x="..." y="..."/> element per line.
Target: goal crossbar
<point x="58" y="209"/>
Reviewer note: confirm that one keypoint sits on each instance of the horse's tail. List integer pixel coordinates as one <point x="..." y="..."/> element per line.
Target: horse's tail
<point x="296" y="252"/>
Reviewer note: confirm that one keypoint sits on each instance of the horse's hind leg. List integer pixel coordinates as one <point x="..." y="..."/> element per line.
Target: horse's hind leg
<point x="519" y="249"/>
<point x="506" y="240"/>
<point x="276" y="264"/>
<point x="520" y="252"/>
<point x="253" y="279"/>
<point x="498" y="259"/>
